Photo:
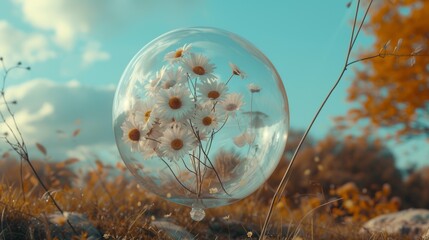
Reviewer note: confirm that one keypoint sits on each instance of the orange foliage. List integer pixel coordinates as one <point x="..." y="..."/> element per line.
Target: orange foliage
<point x="361" y="207"/>
<point x="333" y="162"/>
<point x="119" y="208"/>
<point x="55" y="175"/>
<point x="393" y="89"/>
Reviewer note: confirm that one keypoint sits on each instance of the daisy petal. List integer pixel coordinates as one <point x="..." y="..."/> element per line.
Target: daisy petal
<point x="197" y="65"/>
<point x="176" y="143"/>
<point x="174" y="103"/>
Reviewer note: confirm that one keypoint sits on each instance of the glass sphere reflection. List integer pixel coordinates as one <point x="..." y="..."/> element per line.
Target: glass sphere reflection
<point x="200" y="117"/>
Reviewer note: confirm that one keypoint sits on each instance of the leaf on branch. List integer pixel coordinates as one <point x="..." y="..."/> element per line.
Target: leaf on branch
<point x="41" y="148"/>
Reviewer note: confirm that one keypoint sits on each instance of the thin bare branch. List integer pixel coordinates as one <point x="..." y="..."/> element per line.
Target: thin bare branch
<point x="19" y="145"/>
<point x="283" y="181"/>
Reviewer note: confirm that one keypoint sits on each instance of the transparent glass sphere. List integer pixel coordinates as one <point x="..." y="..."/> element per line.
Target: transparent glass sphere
<point x="200" y="117"/>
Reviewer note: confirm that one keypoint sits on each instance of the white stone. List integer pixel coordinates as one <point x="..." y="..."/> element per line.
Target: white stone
<point x="173" y="230"/>
<point x="411" y="222"/>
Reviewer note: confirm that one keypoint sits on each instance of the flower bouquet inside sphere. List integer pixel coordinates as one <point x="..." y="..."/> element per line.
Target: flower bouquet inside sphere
<point x="200" y="118"/>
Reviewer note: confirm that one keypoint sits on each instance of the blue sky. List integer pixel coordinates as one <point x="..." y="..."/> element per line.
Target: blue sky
<point x="79" y="49"/>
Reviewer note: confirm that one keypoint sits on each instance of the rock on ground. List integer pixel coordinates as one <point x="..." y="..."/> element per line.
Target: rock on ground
<point x="173" y="230"/>
<point x="412" y="223"/>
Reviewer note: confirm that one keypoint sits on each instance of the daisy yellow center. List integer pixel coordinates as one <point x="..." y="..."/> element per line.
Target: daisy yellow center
<point x="178" y="53"/>
<point x="177" y="144"/>
<point x="207" y="121"/>
<point x="147" y="116"/>
<point x="175" y="103"/>
<point x="213" y="94"/>
<point x="199" y="70"/>
<point x="231" y="107"/>
<point x="134" y="135"/>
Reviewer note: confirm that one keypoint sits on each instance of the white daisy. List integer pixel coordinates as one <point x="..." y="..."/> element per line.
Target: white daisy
<point x="254" y="88"/>
<point x="197" y="65"/>
<point x="152" y="87"/>
<point x="176" y="143"/>
<point x="237" y="71"/>
<point x="232" y="103"/>
<point x="212" y="91"/>
<point x="175" y="56"/>
<point x="144" y="114"/>
<point x="174" y="103"/>
<point x="206" y="120"/>
<point x="172" y="77"/>
<point x="149" y="146"/>
<point x="132" y="133"/>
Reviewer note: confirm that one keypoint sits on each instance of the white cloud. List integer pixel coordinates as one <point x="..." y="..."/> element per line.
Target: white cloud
<point x="105" y="152"/>
<point x="16" y="45"/>
<point x="65" y="18"/>
<point x="46" y="108"/>
<point x="26" y="118"/>
<point x="88" y="22"/>
<point x="70" y="20"/>
<point x="20" y="91"/>
<point x="73" y="83"/>
<point x="93" y="54"/>
<point x="73" y="20"/>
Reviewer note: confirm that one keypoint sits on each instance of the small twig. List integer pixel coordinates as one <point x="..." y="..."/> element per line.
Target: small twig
<point x="186" y="166"/>
<point x="312" y="211"/>
<point x="223" y="125"/>
<point x="286" y="174"/>
<point x="204" y="164"/>
<point x="229" y="79"/>
<point x="142" y="212"/>
<point x="347" y="63"/>
<point x="214" y="170"/>
<point x="2" y="221"/>
<point x="208" y="159"/>
<point x="177" y="179"/>
<point x="353" y="37"/>
<point x="21" y="175"/>
<point x="210" y="142"/>
<point x="362" y="22"/>
<point x="19" y="146"/>
<point x="383" y="55"/>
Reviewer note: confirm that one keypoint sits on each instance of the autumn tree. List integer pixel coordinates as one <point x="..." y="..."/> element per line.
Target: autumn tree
<point x="417" y="194"/>
<point x="334" y="161"/>
<point x="391" y="88"/>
